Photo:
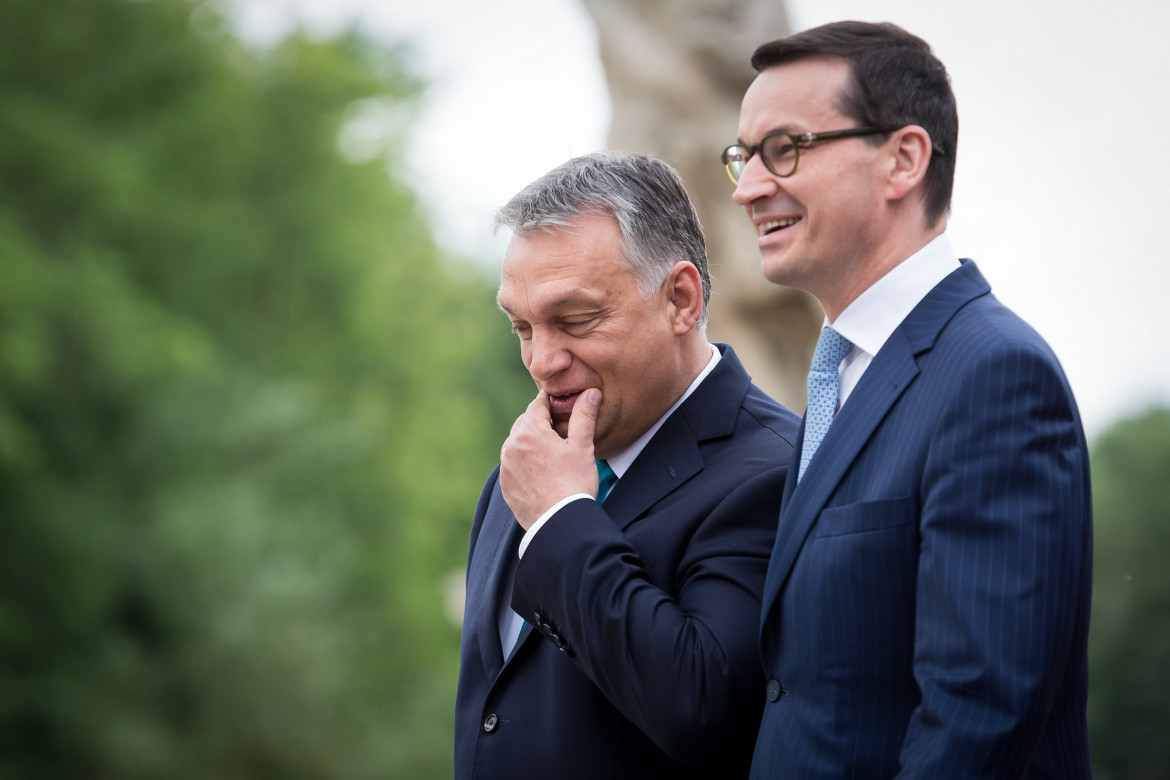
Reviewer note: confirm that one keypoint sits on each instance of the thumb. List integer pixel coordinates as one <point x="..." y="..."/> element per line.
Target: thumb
<point x="583" y="420"/>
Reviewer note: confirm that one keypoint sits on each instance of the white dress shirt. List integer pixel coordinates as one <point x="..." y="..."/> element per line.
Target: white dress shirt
<point x="870" y="320"/>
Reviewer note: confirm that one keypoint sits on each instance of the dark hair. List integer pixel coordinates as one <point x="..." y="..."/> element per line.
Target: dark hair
<point x="895" y="81"/>
<point x="644" y="195"/>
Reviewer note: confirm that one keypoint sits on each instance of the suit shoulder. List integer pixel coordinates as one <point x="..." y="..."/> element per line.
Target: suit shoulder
<point x="985" y="327"/>
<point x="987" y="350"/>
<point x="770" y="415"/>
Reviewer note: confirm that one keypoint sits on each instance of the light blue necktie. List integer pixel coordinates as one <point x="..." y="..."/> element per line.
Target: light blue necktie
<point x="823" y="384"/>
<point x="605" y="480"/>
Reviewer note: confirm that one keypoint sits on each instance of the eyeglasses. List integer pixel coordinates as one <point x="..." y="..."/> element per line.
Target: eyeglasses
<point x="781" y="151"/>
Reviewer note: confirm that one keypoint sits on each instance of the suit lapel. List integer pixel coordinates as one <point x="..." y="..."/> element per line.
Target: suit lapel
<point x="882" y="384"/>
<point x="490" y="565"/>
<point x="669" y="460"/>
<point x="673" y="456"/>
<point x="891" y="372"/>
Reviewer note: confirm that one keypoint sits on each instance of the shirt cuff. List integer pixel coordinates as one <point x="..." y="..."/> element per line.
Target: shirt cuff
<point x="531" y="532"/>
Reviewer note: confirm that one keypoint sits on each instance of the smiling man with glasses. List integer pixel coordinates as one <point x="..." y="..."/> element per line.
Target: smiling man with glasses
<point x="926" y="609"/>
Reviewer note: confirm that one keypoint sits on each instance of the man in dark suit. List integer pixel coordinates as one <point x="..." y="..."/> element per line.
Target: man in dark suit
<point x="618" y="640"/>
<point x="926" y="608"/>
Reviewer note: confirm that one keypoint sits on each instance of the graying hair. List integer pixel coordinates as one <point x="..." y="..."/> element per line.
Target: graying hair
<point x="644" y="195"/>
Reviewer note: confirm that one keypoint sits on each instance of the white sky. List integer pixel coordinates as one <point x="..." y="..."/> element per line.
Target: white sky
<point x="1063" y="169"/>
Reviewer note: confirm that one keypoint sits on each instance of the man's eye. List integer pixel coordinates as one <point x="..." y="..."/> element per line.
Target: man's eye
<point x="778" y="147"/>
<point x="521" y="330"/>
<point x="780" y="151"/>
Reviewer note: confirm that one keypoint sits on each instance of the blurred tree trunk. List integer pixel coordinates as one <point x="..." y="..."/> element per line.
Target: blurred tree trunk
<point x="677" y="72"/>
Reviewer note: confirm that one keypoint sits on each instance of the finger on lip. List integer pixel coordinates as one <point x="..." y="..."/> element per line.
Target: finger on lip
<point x="540" y="409"/>
<point x="562" y="405"/>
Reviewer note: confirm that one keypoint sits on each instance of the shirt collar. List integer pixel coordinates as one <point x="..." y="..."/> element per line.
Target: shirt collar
<point x="877" y="312"/>
<point x="624" y="459"/>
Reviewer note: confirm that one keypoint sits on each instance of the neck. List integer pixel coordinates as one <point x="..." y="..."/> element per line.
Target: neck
<point x="898" y="247"/>
<point x="694" y="357"/>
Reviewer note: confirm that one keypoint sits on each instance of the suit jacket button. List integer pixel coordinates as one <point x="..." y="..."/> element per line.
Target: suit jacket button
<point x="774" y="690"/>
<point x="489" y="723"/>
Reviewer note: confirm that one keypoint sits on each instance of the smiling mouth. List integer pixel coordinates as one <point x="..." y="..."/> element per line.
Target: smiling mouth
<point x="766" y="228"/>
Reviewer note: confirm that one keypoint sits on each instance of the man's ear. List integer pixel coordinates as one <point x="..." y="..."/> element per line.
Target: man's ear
<point x="684" y="297"/>
<point x="909" y="159"/>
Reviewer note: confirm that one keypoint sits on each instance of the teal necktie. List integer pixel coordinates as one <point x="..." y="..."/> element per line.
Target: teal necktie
<point x="605" y="480"/>
<point x="823" y="385"/>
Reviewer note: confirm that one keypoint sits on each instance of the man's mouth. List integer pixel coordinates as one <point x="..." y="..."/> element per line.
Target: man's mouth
<point x="561" y="406"/>
<point x="772" y="226"/>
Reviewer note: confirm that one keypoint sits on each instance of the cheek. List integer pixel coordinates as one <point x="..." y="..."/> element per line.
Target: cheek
<point x="526" y="359"/>
<point x="607" y="417"/>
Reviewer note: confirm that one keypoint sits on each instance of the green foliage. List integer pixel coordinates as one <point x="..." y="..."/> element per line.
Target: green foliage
<point x="245" y="409"/>
<point x="1129" y="715"/>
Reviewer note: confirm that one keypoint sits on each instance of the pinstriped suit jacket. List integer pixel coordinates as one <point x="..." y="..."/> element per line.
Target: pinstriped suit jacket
<point x="926" y="607"/>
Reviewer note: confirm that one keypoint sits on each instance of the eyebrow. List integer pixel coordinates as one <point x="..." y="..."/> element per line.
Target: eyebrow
<point x="573" y="297"/>
<point x="780" y="129"/>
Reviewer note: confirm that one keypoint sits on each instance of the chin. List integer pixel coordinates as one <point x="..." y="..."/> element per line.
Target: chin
<point x="601" y="448"/>
<point x="781" y="269"/>
<point x="776" y="272"/>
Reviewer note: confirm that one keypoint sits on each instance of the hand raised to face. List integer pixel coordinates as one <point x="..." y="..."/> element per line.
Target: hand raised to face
<point x="538" y="468"/>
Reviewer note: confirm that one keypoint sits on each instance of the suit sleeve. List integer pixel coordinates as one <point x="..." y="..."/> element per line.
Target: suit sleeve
<point x="1003" y="569"/>
<point x="683" y="664"/>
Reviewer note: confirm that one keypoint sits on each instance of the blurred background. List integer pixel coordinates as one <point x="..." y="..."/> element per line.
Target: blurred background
<point x="252" y="376"/>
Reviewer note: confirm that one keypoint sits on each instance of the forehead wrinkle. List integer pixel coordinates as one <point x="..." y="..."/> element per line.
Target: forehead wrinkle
<point x="558" y="300"/>
<point x="541" y="301"/>
<point x="806" y="88"/>
<point x="779" y="128"/>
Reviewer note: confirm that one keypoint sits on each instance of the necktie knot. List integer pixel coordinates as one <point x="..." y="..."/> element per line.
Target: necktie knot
<point x="831" y="349"/>
<point x="605" y="480"/>
<point x="824" y="382"/>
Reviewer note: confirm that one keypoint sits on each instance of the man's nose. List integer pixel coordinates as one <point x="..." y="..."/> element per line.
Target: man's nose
<point x="548" y="355"/>
<point x="755" y="182"/>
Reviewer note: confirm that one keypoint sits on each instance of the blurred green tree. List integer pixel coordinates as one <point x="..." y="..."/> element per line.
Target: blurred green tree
<point x="245" y="407"/>
<point x="1129" y="652"/>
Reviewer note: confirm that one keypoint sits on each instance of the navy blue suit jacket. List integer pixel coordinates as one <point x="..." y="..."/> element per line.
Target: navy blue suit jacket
<point x="927" y="602"/>
<point x="641" y="657"/>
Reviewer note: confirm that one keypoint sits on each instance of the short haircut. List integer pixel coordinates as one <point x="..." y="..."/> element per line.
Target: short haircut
<point x="644" y="195"/>
<point x="895" y="81"/>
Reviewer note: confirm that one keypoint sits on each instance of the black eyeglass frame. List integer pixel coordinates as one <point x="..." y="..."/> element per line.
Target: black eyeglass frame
<point x="797" y="141"/>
